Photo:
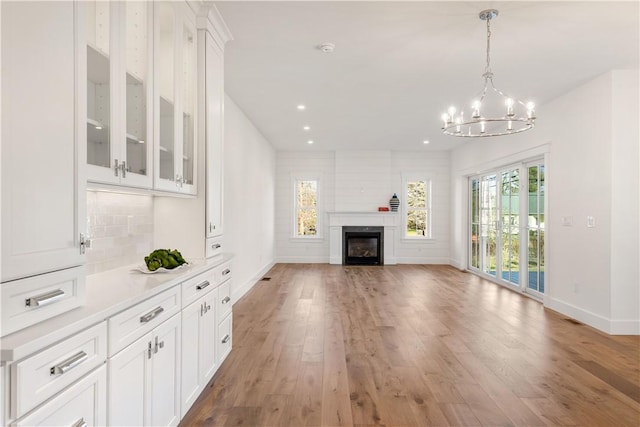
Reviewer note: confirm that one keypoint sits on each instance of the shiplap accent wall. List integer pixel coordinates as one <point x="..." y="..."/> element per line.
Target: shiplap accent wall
<point x="361" y="181"/>
<point x="289" y="165"/>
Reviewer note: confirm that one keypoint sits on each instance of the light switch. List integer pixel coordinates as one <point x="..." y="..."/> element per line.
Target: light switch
<point x="591" y="221"/>
<point x="567" y="221"/>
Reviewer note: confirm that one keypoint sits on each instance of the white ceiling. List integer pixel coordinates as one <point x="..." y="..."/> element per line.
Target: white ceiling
<point x="397" y="66"/>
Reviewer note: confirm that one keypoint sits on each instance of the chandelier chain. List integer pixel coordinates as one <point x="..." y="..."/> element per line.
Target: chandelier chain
<point x="487" y="69"/>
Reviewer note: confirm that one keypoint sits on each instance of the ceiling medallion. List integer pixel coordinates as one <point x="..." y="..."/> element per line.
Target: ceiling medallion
<point x="493" y="113"/>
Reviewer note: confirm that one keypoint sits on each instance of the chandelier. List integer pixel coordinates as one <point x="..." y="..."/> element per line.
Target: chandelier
<point x="493" y="113"/>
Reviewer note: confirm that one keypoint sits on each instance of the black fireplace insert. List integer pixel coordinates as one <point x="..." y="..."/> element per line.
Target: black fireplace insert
<point x="362" y="245"/>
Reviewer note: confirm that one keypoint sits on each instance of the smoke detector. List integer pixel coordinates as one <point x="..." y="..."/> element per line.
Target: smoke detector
<point x="327" y="47"/>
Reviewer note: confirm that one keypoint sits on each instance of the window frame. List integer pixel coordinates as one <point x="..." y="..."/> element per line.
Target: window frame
<point x="406" y="179"/>
<point x="295" y="178"/>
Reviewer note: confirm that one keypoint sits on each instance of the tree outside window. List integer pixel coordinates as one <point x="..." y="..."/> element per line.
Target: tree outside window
<point x="306" y="207"/>
<point x="418" y="208"/>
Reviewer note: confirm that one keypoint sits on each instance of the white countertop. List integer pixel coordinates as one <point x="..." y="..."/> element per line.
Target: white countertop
<point x="107" y="294"/>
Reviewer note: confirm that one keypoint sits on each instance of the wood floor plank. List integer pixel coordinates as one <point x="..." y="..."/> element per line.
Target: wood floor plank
<point x="413" y="345"/>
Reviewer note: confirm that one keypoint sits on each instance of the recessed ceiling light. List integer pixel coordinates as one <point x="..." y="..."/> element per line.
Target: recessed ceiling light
<point x="426" y="141"/>
<point x="306" y="128"/>
<point x="309" y="142"/>
<point x="301" y="107"/>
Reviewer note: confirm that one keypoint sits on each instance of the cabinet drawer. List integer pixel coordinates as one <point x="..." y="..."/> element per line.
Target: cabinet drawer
<point x="214" y="247"/>
<point x="223" y="272"/>
<point x="224" y="300"/>
<point x="32" y="300"/>
<point x="131" y="324"/>
<point x="39" y="377"/>
<point x="198" y="286"/>
<point x="224" y="338"/>
<point x="84" y="402"/>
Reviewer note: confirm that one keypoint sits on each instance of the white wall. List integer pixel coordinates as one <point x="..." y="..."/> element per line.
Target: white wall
<point x="361" y="181"/>
<point x="625" y="214"/>
<point x="581" y="159"/>
<point x="249" y="197"/>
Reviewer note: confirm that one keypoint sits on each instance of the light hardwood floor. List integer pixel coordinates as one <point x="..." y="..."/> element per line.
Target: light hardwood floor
<point x="410" y="345"/>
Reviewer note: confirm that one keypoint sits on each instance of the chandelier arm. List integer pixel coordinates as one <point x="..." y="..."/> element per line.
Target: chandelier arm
<point x="506" y="95"/>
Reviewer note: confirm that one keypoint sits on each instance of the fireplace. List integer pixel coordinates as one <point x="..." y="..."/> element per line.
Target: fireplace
<point x="363" y="245"/>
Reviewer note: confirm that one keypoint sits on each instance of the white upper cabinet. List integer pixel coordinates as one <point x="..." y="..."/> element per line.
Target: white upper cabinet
<point x="214" y="131"/>
<point x="119" y="92"/>
<point x="43" y="138"/>
<point x="176" y="73"/>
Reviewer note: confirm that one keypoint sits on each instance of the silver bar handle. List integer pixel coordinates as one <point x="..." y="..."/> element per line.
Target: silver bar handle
<point x="151" y="315"/>
<point x="216" y="246"/>
<point x="80" y="423"/>
<point x="226" y="299"/>
<point x="45" y="299"/>
<point x="116" y="166"/>
<point x="203" y="285"/>
<point x="123" y="168"/>
<point x="226" y="339"/>
<point x="225" y="272"/>
<point x="69" y="364"/>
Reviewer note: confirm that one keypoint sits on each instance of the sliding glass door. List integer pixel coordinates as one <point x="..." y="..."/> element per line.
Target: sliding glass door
<point x="507" y="226"/>
<point x="535" y="228"/>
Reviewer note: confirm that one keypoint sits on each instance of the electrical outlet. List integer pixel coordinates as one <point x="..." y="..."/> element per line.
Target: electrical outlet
<point x="567" y="221"/>
<point x="591" y="221"/>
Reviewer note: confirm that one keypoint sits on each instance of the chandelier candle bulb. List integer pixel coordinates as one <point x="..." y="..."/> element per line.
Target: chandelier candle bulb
<point x="509" y="103"/>
<point x="509" y="125"/>
<point x="476" y="110"/>
<point x="531" y="114"/>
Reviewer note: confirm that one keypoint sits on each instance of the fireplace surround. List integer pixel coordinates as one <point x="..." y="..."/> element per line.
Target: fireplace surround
<point x="387" y="221"/>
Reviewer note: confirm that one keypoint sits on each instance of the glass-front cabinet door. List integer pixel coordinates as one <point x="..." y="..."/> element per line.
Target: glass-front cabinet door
<point x="101" y="153"/>
<point x="176" y="65"/>
<point x="119" y="47"/>
<point x="137" y="118"/>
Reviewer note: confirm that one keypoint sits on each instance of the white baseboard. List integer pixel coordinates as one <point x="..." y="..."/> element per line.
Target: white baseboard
<point x="625" y="327"/>
<point x="584" y="316"/>
<point x="240" y="291"/>
<point x="457" y="264"/>
<point x="423" y="260"/>
<point x="303" y="260"/>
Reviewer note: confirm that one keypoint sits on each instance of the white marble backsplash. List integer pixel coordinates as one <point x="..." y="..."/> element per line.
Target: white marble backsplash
<point x="120" y="227"/>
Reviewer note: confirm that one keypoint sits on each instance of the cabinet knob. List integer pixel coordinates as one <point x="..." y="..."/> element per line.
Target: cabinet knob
<point x="226" y="339"/>
<point x="226" y="271"/>
<point x="216" y="246"/>
<point x="226" y="299"/>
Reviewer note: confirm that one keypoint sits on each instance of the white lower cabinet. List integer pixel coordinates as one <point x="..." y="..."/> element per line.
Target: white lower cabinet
<point x="144" y="379"/>
<point x="198" y="347"/>
<point x="82" y="404"/>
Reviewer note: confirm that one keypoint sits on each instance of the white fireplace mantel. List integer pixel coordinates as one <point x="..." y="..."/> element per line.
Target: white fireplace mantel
<point x="337" y="220"/>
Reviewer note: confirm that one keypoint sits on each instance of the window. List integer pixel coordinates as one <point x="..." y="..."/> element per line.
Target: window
<point x="306" y="208"/>
<point x="417" y="212"/>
